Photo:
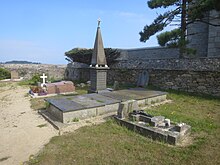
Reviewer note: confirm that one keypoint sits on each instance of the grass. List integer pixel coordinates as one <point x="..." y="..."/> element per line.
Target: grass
<point x="42" y="125"/>
<point x="109" y="143"/>
<point x="5" y="158"/>
<point x="82" y="90"/>
<point x="38" y="103"/>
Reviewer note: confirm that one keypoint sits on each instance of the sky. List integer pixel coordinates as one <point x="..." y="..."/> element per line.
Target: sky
<point x="43" y="30"/>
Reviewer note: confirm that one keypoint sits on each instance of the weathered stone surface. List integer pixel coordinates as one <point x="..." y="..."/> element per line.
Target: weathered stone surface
<point x="156" y="133"/>
<point x="14" y="74"/>
<point x="60" y="87"/>
<point x="157" y="120"/>
<point x="116" y="85"/>
<point x="206" y="82"/>
<point x="126" y="107"/>
<point x="65" y="108"/>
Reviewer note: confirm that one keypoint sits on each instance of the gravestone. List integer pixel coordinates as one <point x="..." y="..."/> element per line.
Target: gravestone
<point x="116" y="85"/>
<point x="14" y="74"/>
<point x="143" y="79"/>
<point x="59" y="87"/>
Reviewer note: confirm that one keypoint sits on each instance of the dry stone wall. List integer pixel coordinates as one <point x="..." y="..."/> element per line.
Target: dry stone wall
<point x="196" y="75"/>
<point x="203" y="82"/>
<point x="191" y="75"/>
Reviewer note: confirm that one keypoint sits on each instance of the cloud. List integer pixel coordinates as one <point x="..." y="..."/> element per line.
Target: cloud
<point x="133" y="17"/>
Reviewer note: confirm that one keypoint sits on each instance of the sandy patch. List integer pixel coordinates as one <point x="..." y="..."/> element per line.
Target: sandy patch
<point x="20" y="126"/>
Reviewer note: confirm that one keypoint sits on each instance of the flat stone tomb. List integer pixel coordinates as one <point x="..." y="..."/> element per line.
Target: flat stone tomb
<point x="157" y="127"/>
<point x="67" y="109"/>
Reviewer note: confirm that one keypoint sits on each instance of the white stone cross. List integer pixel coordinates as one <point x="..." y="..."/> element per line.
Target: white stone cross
<point x="44" y="79"/>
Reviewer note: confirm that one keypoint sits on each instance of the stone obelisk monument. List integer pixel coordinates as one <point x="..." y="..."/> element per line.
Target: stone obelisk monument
<point x="98" y="67"/>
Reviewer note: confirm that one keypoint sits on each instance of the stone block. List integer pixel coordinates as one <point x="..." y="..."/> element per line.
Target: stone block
<point x="182" y="128"/>
<point x="173" y="138"/>
<point x="54" y="111"/>
<point x="60" y="87"/>
<point x="80" y="114"/>
<point x="107" y="109"/>
<point x="160" y="135"/>
<point x="201" y="88"/>
<point x="157" y="120"/>
<point x="145" y="119"/>
<point x="14" y="74"/>
<point x="126" y="107"/>
<point x="116" y="85"/>
<point x="141" y="103"/>
<point x="134" y="117"/>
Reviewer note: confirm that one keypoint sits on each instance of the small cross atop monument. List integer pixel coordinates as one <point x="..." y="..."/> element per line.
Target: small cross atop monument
<point x="44" y="79"/>
<point x="99" y="21"/>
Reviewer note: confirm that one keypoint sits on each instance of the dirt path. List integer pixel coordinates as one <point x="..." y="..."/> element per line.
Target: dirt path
<point x="23" y="132"/>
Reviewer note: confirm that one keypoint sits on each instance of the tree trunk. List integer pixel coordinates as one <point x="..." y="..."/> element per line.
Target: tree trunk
<point x="183" y="29"/>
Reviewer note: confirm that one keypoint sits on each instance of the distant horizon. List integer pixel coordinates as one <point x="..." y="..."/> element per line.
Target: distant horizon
<point x="3" y="62"/>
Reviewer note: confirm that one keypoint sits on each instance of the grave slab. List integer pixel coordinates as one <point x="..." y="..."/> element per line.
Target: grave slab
<point x="90" y="105"/>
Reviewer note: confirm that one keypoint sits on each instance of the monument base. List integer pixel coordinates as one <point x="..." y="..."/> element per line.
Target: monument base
<point x="98" y="78"/>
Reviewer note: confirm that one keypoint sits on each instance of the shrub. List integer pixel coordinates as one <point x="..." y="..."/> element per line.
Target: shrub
<point x="36" y="78"/>
<point x="85" y="55"/>
<point x="4" y="74"/>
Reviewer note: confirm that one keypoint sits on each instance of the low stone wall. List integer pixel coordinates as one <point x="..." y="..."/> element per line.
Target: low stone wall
<point x="149" y="53"/>
<point x="194" y="64"/>
<point x="77" y="72"/>
<point x="202" y="82"/>
<point x="28" y="70"/>
<point x="197" y="75"/>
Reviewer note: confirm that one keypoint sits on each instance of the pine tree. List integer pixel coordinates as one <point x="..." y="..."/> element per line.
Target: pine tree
<point x="183" y="13"/>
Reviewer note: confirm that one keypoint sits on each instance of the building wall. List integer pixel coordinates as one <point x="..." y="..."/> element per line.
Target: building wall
<point x="148" y="53"/>
<point x="214" y="37"/>
<point x="205" y="38"/>
<point x="198" y="38"/>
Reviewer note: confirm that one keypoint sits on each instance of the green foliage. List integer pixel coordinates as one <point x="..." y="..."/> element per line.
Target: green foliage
<point x="33" y="81"/>
<point x="182" y="14"/>
<point x="36" y="78"/>
<point x="169" y="38"/>
<point x="85" y="55"/>
<point x="39" y="104"/>
<point x="75" y="120"/>
<point x="4" y="74"/>
<point x="161" y="3"/>
<point x="200" y="7"/>
<point x="42" y="125"/>
<point x="109" y="143"/>
<point x="172" y="39"/>
<point x="158" y="25"/>
<point x="162" y="20"/>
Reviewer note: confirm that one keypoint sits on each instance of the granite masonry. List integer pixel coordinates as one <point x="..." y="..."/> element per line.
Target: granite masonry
<point x="197" y="75"/>
<point x="204" y="38"/>
<point x="155" y="127"/>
